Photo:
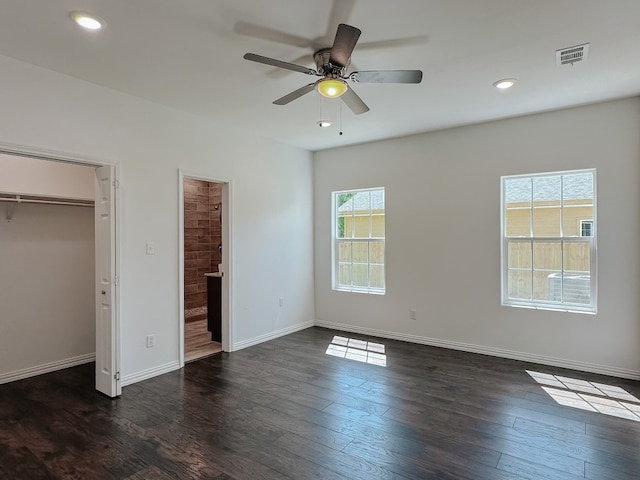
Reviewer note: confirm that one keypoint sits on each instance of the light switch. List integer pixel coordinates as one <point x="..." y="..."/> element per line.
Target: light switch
<point x="151" y="249"/>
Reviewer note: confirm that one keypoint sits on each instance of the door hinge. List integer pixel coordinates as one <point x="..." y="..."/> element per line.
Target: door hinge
<point x="116" y="376"/>
<point x="116" y="184"/>
<point x="116" y="280"/>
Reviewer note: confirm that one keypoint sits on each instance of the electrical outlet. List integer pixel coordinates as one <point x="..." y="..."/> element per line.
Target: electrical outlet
<point x="151" y="341"/>
<point x="412" y="314"/>
<point x="151" y="248"/>
<point x="282" y="301"/>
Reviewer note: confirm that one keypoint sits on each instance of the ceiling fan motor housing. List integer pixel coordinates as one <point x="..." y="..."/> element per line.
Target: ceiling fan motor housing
<point x="323" y="64"/>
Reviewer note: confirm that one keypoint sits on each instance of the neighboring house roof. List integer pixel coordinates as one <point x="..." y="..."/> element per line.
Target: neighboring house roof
<point x="575" y="187"/>
<point x="373" y="200"/>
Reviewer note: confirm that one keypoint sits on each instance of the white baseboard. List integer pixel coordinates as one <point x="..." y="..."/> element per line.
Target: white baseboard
<point x="495" y="352"/>
<point x="46" y="368"/>
<point x="149" y="373"/>
<point x="271" y="335"/>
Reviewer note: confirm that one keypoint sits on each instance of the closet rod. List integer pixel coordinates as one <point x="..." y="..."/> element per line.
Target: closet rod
<point x="46" y="200"/>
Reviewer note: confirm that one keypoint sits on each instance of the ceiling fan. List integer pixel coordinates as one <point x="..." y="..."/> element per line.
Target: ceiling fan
<point x="332" y="66"/>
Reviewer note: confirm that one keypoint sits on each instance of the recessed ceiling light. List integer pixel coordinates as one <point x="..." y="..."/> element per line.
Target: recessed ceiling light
<point x="86" y="20"/>
<point x="505" y="83"/>
<point x="324" y="123"/>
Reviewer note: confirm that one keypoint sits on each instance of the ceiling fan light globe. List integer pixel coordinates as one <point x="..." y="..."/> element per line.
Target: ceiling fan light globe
<point x="331" y="87"/>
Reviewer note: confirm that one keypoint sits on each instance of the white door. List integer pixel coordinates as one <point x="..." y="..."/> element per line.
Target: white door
<point x="107" y="358"/>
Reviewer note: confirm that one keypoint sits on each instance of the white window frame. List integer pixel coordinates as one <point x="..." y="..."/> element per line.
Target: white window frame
<point x="336" y="240"/>
<point x="592" y="240"/>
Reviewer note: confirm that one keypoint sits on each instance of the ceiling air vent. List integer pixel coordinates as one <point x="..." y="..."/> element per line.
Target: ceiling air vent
<point x="571" y="55"/>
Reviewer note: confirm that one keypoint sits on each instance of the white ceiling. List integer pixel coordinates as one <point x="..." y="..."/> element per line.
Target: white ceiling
<point x="187" y="54"/>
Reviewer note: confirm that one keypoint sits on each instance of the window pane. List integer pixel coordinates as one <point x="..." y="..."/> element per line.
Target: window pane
<point x="377" y="276"/>
<point x="547" y="194"/>
<point x="362" y="225"/>
<point x="578" y="186"/>
<point x="576" y="289"/>
<point x="574" y="217"/>
<point x="344" y="251"/>
<point x="577" y="258"/>
<point x="547" y="256"/>
<point x="360" y="252"/>
<point x="543" y="286"/>
<point x="344" y="227"/>
<point x="377" y="201"/>
<point x="344" y="274"/>
<point x="376" y="252"/>
<point x="377" y="226"/>
<point x="360" y="275"/>
<point x="519" y="284"/>
<point x="520" y="255"/>
<point x="517" y="197"/>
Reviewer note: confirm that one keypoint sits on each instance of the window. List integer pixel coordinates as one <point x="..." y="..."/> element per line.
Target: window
<point x="549" y="241"/>
<point x="358" y="241"/>
<point x="586" y="228"/>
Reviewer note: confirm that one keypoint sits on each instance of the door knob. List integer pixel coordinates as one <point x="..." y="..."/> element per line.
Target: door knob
<point x="103" y="292"/>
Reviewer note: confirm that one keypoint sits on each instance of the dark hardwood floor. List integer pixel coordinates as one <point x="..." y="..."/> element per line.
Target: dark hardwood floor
<point x="286" y="409"/>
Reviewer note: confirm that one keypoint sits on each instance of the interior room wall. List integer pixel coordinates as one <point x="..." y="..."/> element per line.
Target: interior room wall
<point x="443" y="236"/>
<point x="271" y="200"/>
<point x="47" y="299"/>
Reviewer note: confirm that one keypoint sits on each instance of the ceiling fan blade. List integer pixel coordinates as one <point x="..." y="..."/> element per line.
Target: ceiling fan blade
<point x="387" y="76"/>
<point x="394" y="43"/>
<point x="264" y="33"/>
<point x="278" y="63"/>
<point x="354" y="102"/>
<point x="279" y="73"/>
<point x="295" y="94"/>
<point x="344" y="43"/>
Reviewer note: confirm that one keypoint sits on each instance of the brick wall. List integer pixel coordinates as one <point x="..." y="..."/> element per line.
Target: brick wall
<point x="202" y="235"/>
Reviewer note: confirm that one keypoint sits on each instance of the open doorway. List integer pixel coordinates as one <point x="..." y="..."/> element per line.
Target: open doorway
<point x="204" y="266"/>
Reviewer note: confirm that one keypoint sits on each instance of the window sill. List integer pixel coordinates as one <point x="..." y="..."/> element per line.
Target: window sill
<point x="552" y="309"/>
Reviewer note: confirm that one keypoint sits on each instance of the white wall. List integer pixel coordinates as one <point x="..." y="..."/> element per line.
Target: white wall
<point x="271" y="186"/>
<point x="47" y="308"/>
<point x="443" y="236"/>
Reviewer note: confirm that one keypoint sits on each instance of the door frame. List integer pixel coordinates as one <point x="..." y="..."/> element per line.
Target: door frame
<point x="227" y="256"/>
<point x="89" y="161"/>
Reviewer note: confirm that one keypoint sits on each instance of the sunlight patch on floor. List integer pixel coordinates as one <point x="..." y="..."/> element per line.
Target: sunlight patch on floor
<point x="358" y="350"/>
<point x="591" y="396"/>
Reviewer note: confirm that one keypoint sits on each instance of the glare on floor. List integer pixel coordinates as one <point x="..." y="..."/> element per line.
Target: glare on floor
<point x="591" y="396"/>
<point x="358" y="350"/>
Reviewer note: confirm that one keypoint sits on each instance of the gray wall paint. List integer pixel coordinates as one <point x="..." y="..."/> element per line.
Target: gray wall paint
<point x="443" y="236"/>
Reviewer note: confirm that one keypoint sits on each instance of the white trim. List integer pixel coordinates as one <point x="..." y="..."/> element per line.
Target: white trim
<point x="149" y="373"/>
<point x="47" y="368"/>
<point x="53" y="155"/>
<point x="494" y="352"/>
<point x="272" y="335"/>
